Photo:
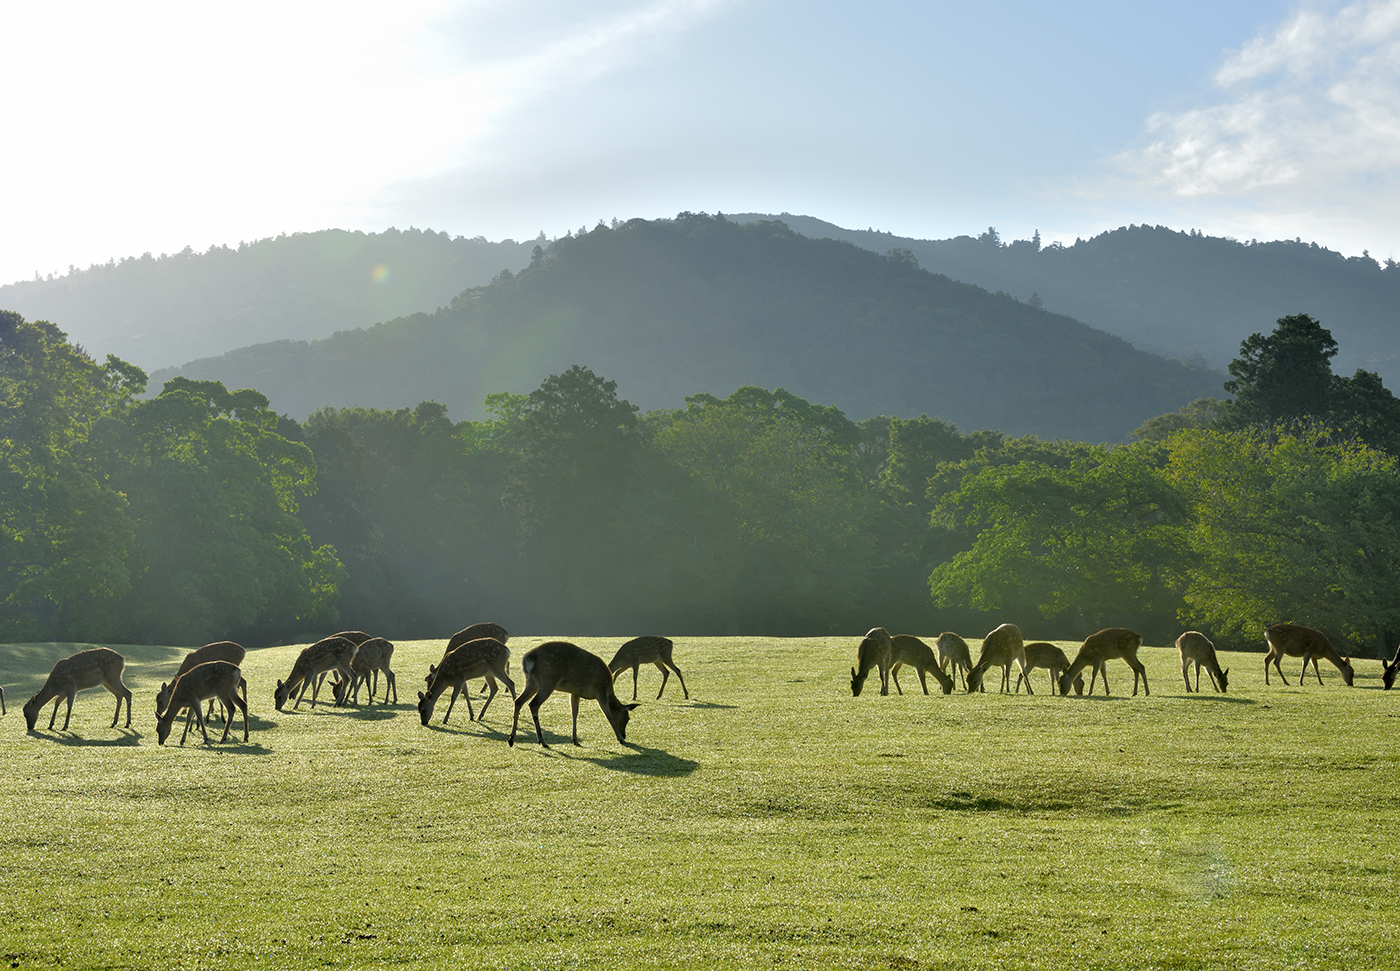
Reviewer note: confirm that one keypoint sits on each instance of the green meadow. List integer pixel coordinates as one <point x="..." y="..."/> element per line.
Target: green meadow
<point x="771" y="820"/>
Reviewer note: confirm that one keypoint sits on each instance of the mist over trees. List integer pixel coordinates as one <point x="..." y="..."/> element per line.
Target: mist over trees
<point x="1178" y="293"/>
<point x="667" y="307"/>
<point x="161" y="311"/>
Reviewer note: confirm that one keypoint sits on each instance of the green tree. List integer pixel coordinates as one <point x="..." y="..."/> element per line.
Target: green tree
<point x="1282" y="377"/>
<point x="1289" y="526"/>
<point x="64" y="533"/>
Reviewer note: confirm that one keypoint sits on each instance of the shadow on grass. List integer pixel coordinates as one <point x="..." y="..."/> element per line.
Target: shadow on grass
<point x="643" y="761"/>
<point x="1202" y="696"/>
<point x="130" y="736"/>
<point x="706" y="704"/>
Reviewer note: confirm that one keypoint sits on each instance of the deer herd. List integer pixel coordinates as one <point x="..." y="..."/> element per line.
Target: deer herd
<point x="213" y="672"/>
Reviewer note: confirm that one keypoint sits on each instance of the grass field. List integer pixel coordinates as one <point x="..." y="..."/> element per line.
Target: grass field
<point x="771" y="820"/>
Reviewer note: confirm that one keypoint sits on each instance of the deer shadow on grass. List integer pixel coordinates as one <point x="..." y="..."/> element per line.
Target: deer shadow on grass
<point x="1201" y="696"/>
<point x="129" y="737"/>
<point x="642" y="761"/>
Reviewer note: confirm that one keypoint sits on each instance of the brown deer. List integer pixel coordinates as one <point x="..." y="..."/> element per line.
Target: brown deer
<point x="1388" y="671"/>
<point x="1099" y="648"/>
<point x="1196" y="648"/>
<point x="312" y="665"/>
<point x="93" y="668"/>
<point x="483" y="656"/>
<point x="1295" y="640"/>
<point x="873" y="652"/>
<point x="472" y="633"/>
<point x="218" y="651"/>
<point x="370" y="658"/>
<point x="1045" y="655"/>
<point x="211" y="680"/>
<point x="648" y="649"/>
<point x="561" y="666"/>
<point x="906" y="649"/>
<point x="954" y="652"/>
<point x="1000" y="648"/>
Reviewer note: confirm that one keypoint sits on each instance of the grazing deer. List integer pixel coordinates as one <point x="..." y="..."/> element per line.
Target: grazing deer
<point x="1388" y="672"/>
<point x="370" y="658"/>
<point x="648" y="649"/>
<point x="561" y="666"/>
<point x="1295" y="640"/>
<point x="908" y="649"/>
<point x="874" y="651"/>
<point x="218" y="651"/>
<point x="1043" y="655"/>
<point x="953" y="651"/>
<point x="1000" y="648"/>
<point x="483" y="656"/>
<point x="210" y="680"/>
<point x="312" y="665"/>
<point x="1099" y="648"/>
<point x="96" y="667"/>
<point x="1196" y="648"/>
<point x="466" y="634"/>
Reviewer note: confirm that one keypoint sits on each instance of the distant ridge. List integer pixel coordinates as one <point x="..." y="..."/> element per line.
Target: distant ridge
<point x="1170" y="292"/>
<point x="673" y="307"/>
<point x="162" y="311"/>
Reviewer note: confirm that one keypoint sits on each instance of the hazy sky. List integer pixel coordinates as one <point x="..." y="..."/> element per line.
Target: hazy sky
<point x="152" y="126"/>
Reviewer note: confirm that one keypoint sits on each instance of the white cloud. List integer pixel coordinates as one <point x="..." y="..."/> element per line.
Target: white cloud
<point x="1313" y="106"/>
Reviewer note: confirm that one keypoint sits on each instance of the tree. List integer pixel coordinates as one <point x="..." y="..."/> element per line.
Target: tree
<point x="1283" y="377"/>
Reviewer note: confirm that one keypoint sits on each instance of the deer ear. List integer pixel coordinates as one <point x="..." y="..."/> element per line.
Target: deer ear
<point x="853" y="673"/>
<point x="421" y="696"/>
<point x="633" y="706"/>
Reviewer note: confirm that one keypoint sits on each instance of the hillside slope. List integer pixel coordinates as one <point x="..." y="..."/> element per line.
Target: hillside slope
<point x="1175" y="293"/>
<point x="159" y="312"/>
<point x="669" y="308"/>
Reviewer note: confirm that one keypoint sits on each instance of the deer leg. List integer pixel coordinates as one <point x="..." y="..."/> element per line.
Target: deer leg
<point x="1139" y="669"/>
<point x="635" y="669"/>
<point x="574" y="699"/>
<point x="1316" y="671"/>
<point x="673" y="668"/>
<point x="922" y="680"/>
<point x="894" y="676"/>
<point x="69" y="715"/>
<point x="1025" y="673"/>
<point x="1277" y="667"/>
<point x="452" y="701"/>
<point x="520" y="700"/>
<point x="491" y="683"/>
<point x="665" y="676"/>
<point x="390" y="684"/>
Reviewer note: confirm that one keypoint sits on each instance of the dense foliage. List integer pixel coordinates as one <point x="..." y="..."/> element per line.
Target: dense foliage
<point x="171" y="519"/>
<point x="200" y="514"/>
<point x="672" y="306"/>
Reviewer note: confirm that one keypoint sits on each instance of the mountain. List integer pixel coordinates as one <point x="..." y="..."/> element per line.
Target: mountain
<point x="669" y="308"/>
<point x="1175" y="293"/>
<point x="162" y="311"/>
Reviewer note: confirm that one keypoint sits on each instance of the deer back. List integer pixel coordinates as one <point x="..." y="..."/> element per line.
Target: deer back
<point x="476" y="632"/>
<point x="647" y="649"/>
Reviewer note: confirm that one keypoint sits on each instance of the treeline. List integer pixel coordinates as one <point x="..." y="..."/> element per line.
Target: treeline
<point x="199" y="514"/>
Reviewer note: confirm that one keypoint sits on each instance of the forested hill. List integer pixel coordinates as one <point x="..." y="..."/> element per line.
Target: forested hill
<point x="668" y="308"/>
<point x="162" y="311"/>
<point x="1176" y="293"/>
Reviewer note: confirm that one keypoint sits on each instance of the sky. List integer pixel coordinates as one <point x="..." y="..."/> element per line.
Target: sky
<point x="149" y="127"/>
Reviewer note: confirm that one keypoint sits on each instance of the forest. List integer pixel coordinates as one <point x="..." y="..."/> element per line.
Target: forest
<point x="669" y="307"/>
<point x="200" y="514"/>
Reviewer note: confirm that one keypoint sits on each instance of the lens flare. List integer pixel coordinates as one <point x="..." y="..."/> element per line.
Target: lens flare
<point x="382" y="274"/>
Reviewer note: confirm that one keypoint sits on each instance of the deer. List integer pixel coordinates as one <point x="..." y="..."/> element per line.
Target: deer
<point x="1103" y="646"/>
<point x="1389" y="669"/>
<point x="472" y="633"/>
<point x="93" y="668"/>
<point x="1042" y="654"/>
<point x="483" y="656"/>
<point x="1196" y="648"/>
<point x="561" y="666"/>
<point x="1295" y="640"/>
<point x="1000" y="648"/>
<point x="648" y="649"/>
<point x="370" y="658"/>
<point x="874" y="651"/>
<point x="312" y="665"/>
<point x="906" y="649"/>
<point x="218" y="651"/>
<point x="356" y="637"/>
<point x="953" y="651"/>
<point x="210" y="680"/>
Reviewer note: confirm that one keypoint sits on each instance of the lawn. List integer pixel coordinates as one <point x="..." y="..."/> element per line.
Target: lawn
<point x="770" y="820"/>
